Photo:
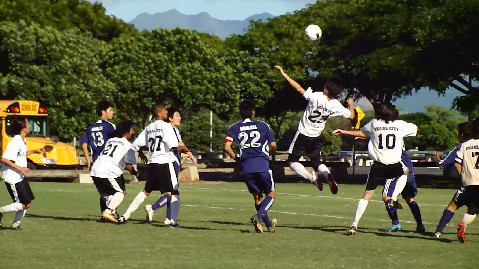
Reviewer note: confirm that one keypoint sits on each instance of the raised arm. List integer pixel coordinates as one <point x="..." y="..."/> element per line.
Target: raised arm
<point x="293" y="83"/>
<point x="351" y="133"/>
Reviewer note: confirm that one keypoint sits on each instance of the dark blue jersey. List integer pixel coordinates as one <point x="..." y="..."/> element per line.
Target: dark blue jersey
<point x="97" y="135"/>
<point x="252" y="138"/>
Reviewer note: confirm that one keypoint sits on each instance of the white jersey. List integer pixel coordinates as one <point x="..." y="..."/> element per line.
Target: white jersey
<point x="111" y="161"/>
<point x="159" y="138"/>
<point x="386" y="139"/>
<point x="468" y="157"/>
<point x="174" y="154"/>
<point x="16" y="152"/>
<point x="319" y="109"/>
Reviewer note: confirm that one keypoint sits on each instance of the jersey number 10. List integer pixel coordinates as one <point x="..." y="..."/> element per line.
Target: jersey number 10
<point x="390" y="141"/>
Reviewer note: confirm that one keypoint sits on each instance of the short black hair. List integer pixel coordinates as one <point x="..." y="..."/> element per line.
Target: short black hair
<point x="157" y="107"/>
<point x="385" y="111"/>
<point x="171" y="112"/>
<point x="463" y="130"/>
<point x="246" y="109"/>
<point x="334" y="87"/>
<point x="103" y="105"/>
<point x="18" y="123"/>
<point x="123" y="128"/>
<point x="473" y="129"/>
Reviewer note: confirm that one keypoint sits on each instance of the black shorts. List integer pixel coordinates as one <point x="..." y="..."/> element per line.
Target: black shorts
<point x="305" y="146"/>
<point x="472" y="198"/>
<point x="109" y="186"/>
<point x="20" y="192"/>
<point x="379" y="172"/>
<point x="459" y="197"/>
<point x="161" y="177"/>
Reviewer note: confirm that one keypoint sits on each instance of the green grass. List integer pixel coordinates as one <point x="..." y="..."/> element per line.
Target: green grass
<point x="61" y="231"/>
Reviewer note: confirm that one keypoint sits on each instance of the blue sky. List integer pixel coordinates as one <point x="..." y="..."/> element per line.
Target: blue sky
<point x="219" y="9"/>
<point x="127" y="10"/>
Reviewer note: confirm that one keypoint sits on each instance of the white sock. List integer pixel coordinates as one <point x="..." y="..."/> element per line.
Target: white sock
<point x="19" y="215"/>
<point x="14" y="207"/>
<point x="323" y="169"/>
<point x="115" y="200"/>
<point x="362" y="205"/>
<point x="401" y="182"/>
<point x="175" y="208"/>
<point x="468" y="219"/>
<point x="140" y="197"/>
<point x="300" y="170"/>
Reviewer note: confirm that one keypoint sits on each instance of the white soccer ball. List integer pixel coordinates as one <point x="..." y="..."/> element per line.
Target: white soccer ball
<point x="313" y="32"/>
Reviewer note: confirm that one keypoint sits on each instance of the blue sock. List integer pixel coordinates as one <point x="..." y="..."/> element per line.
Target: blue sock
<point x="103" y="205"/>
<point x="163" y="200"/>
<point x="263" y="210"/>
<point x="445" y="219"/>
<point x="393" y="214"/>
<point x="168" y="209"/>
<point x="265" y="218"/>
<point x="415" y="212"/>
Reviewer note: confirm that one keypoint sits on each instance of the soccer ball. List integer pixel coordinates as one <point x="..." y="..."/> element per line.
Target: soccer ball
<point x="313" y="32"/>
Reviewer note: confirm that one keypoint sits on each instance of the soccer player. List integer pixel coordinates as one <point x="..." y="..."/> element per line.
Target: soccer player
<point x="459" y="198"/>
<point x="107" y="170"/>
<point x="174" y="118"/>
<point x="256" y="143"/>
<point x="96" y="137"/>
<point x="308" y="139"/>
<point x="467" y="165"/>
<point x="160" y="138"/>
<point x="14" y="169"/>
<point x="385" y="146"/>
<point x="408" y="194"/>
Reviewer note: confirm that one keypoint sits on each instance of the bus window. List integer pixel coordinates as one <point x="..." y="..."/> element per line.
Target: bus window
<point x="38" y="125"/>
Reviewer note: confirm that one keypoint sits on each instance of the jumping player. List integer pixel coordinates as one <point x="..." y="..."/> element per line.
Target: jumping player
<point x="467" y="165"/>
<point x="14" y="169"/>
<point x="256" y="143"/>
<point x="308" y="140"/>
<point x="385" y="146"/>
<point x="174" y="118"/>
<point x="107" y="170"/>
<point x="96" y="137"/>
<point x="160" y="138"/>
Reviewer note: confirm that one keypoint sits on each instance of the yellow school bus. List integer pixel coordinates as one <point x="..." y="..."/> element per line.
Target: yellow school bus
<point x="58" y="154"/>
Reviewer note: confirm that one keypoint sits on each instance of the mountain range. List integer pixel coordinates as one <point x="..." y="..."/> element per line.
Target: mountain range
<point x="201" y="22"/>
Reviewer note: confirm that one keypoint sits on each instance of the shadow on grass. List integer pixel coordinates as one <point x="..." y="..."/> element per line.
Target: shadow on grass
<point x="96" y="219"/>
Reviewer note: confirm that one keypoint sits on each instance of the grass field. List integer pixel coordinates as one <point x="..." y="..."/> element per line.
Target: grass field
<point x="61" y="230"/>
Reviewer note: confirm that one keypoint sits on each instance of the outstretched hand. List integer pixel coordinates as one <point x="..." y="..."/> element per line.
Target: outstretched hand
<point x="279" y="68"/>
<point x="338" y="131"/>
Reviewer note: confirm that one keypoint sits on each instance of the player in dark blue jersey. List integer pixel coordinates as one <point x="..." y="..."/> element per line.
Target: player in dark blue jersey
<point x="256" y="143"/>
<point x="408" y="194"/>
<point x="97" y="135"/>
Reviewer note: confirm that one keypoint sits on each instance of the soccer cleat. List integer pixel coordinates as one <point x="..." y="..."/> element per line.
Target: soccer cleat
<point x="149" y="213"/>
<point x="272" y="229"/>
<point x="15" y="226"/>
<point x="461" y="232"/>
<point x="174" y="225"/>
<point x="316" y="180"/>
<point x="333" y="186"/>
<point x="122" y="220"/>
<point x="394" y="227"/>
<point x="109" y="216"/>
<point x="420" y="229"/>
<point x="167" y="222"/>
<point x="257" y="225"/>
<point x="394" y="204"/>
<point x="352" y="230"/>
<point x="437" y="234"/>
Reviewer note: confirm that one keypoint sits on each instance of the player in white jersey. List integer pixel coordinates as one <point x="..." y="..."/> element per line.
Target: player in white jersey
<point x="467" y="164"/>
<point x="174" y="118"/>
<point x="159" y="137"/>
<point x="385" y="146"/>
<point x="107" y="170"/>
<point x="308" y="139"/>
<point x="14" y="168"/>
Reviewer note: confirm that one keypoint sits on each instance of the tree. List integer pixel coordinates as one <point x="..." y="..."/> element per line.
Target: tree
<point x="58" y="68"/>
